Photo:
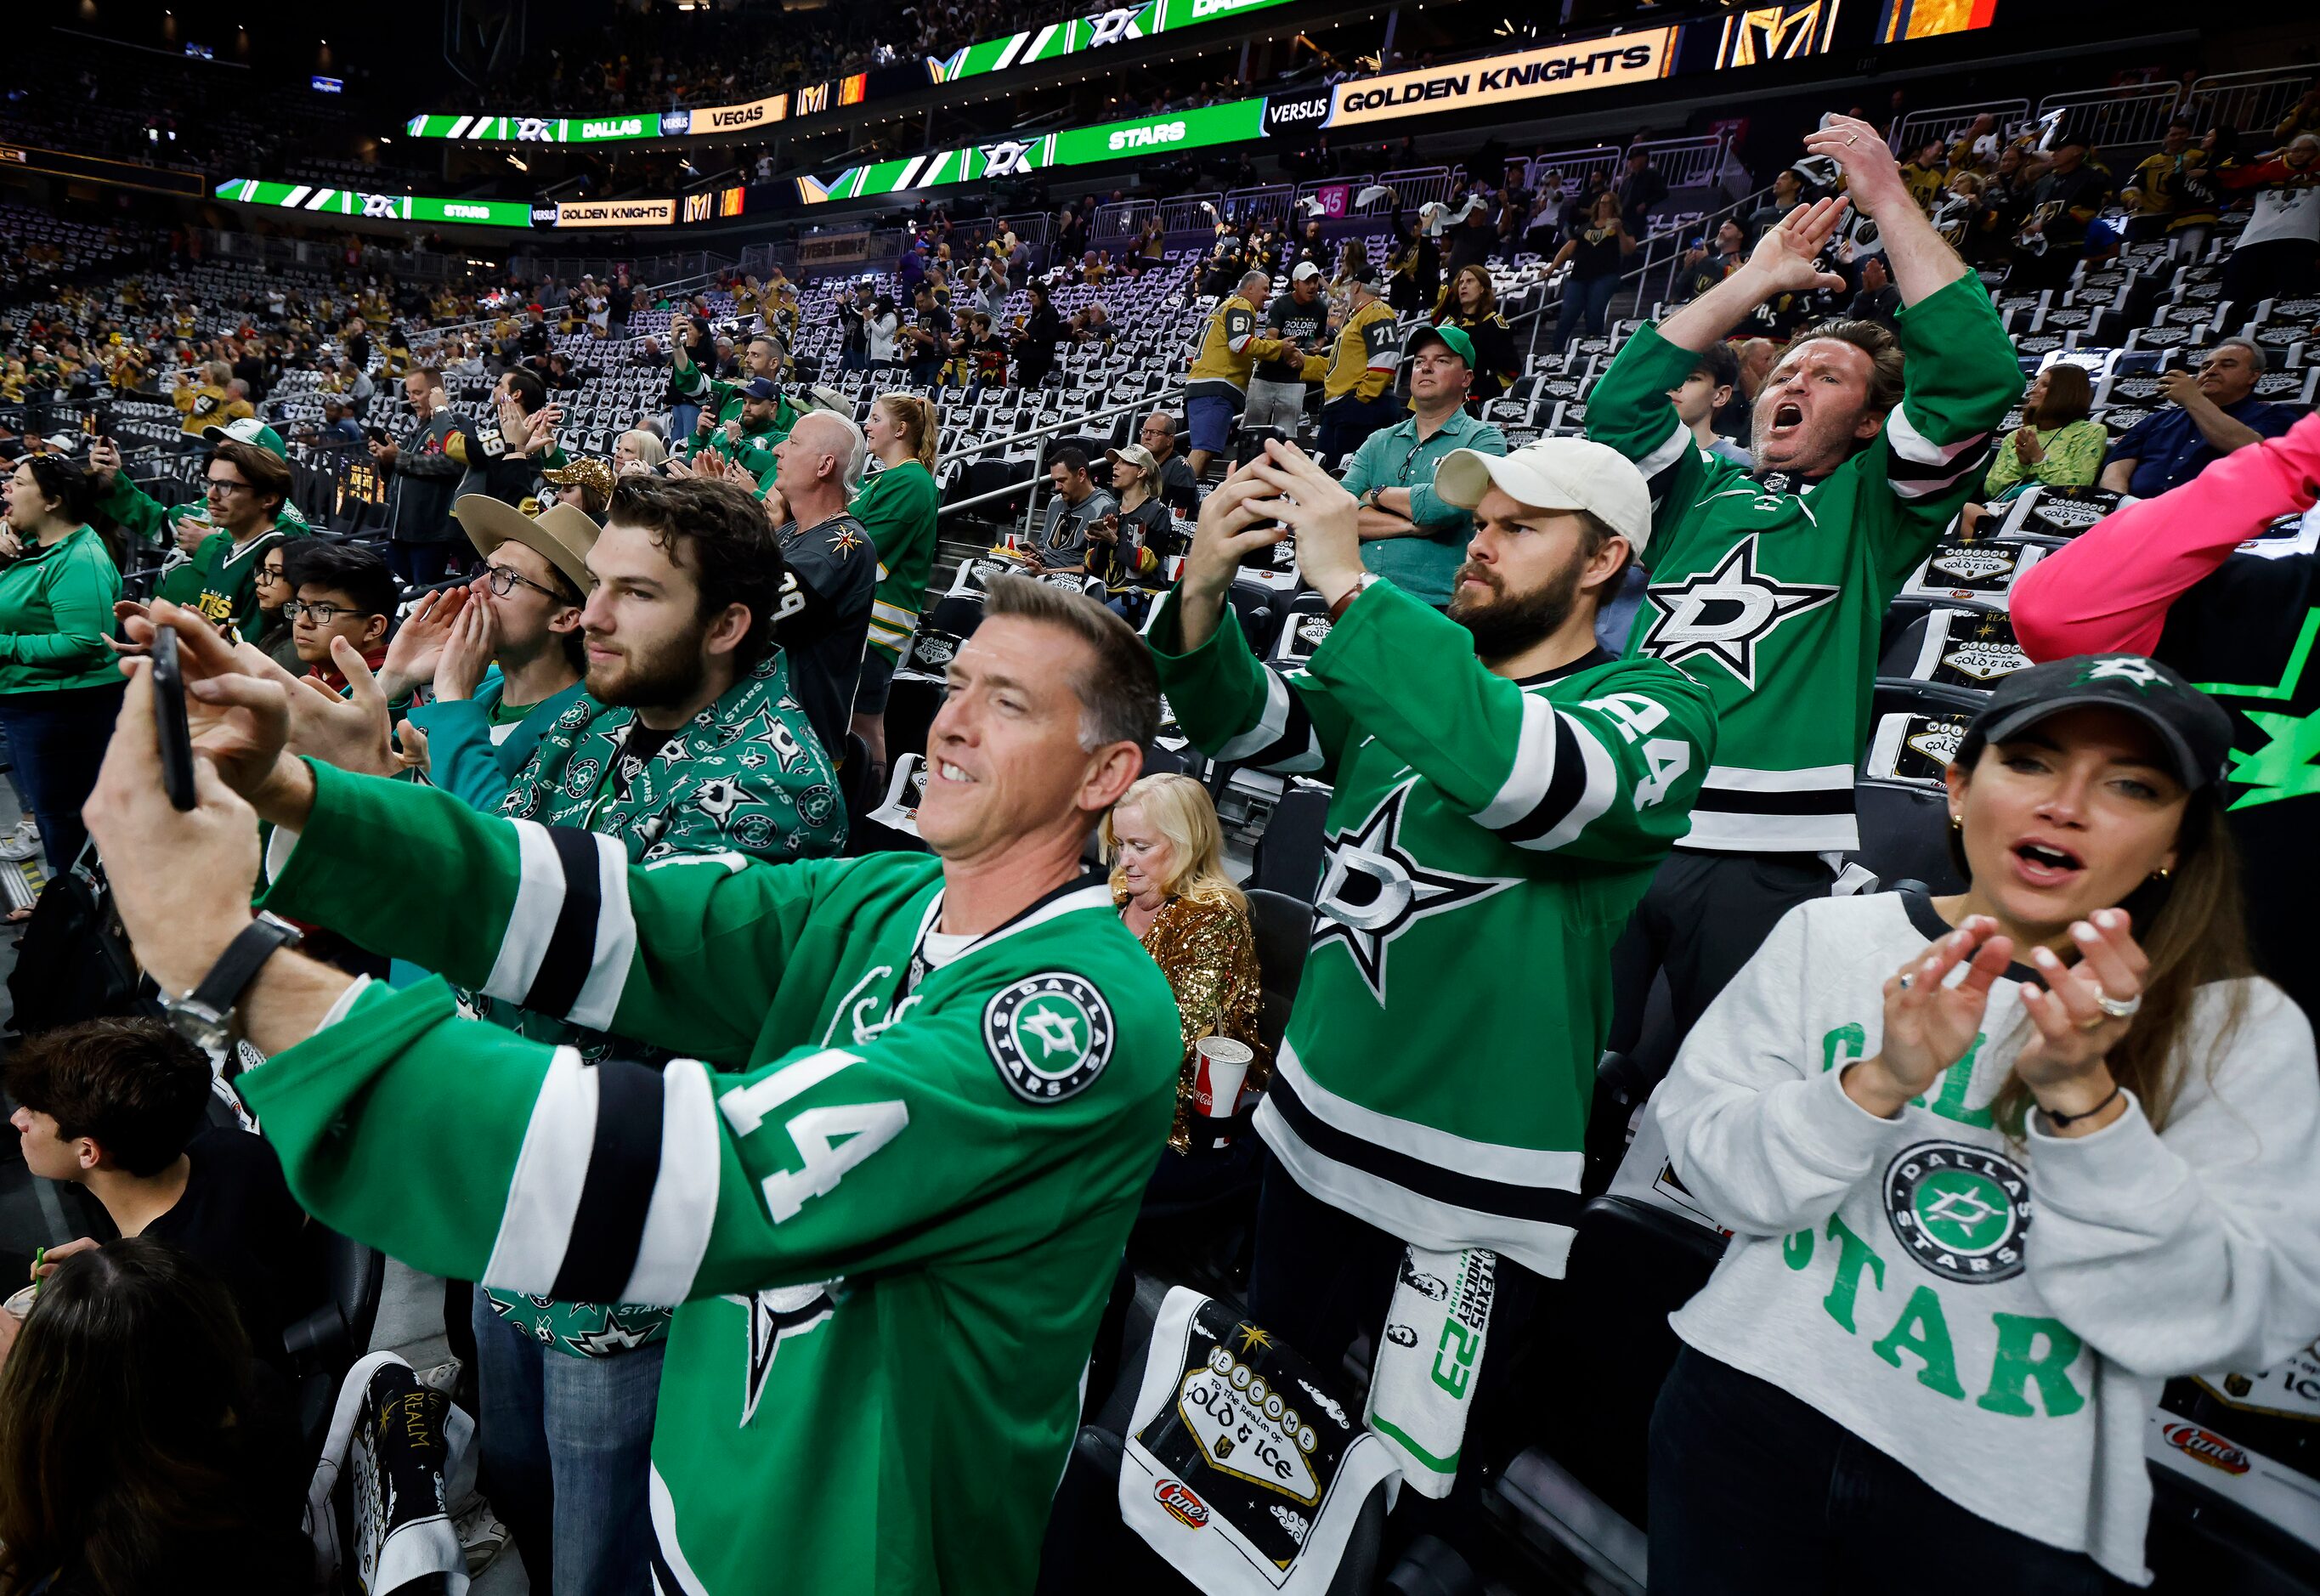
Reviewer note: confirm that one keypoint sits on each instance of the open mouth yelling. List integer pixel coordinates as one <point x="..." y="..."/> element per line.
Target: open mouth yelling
<point x="1788" y="417"/>
<point x="2044" y="864"/>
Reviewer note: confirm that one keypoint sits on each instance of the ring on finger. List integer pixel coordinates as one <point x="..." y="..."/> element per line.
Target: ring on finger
<point x="2118" y="1008"/>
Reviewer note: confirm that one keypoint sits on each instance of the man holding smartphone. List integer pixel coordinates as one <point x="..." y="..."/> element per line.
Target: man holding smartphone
<point x="221" y="537"/>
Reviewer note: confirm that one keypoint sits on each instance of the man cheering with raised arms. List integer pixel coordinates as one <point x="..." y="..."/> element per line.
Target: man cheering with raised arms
<point x="1770" y="585"/>
<point x="892" y="1225"/>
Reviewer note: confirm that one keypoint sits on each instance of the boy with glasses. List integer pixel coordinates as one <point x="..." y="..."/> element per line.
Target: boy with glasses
<point x="343" y="590"/>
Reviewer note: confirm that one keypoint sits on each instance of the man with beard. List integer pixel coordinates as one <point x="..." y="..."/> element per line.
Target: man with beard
<point x="1769" y="586"/>
<point x="687" y="741"/>
<point x="1502" y="790"/>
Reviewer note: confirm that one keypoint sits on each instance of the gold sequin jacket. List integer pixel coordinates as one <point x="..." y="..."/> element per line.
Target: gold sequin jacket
<point x="1208" y="954"/>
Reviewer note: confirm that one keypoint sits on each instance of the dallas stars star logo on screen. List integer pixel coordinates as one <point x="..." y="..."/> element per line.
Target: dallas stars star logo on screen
<point x="1373" y="890"/>
<point x="1725" y="614"/>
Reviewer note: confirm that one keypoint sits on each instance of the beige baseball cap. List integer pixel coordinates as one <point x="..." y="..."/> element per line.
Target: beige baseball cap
<point x="1555" y="474"/>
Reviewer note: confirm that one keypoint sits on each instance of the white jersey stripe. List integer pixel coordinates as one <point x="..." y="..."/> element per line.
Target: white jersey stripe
<point x="1534" y="770"/>
<point x="1902" y="436"/>
<point x="1271" y="723"/>
<point x="538" y="900"/>
<point x="1736" y="778"/>
<point x="550" y="1170"/>
<point x="672" y="1556"/>
<point x="616" y="940"/>
<point x="1670" y="450"/>
<point x="1602" y="788"/>
<point x="684" y="1203"/>
<point x="1720" y="831"/>
<point x="1540" y="1246"/>
<point x="1557" y="1171"/>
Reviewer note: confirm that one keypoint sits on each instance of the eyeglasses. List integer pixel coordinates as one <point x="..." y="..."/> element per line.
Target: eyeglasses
<point x="504" y="581"/>
<point x="321" y="614"/>
<point x="220" y="489"/>
<point x="268" y="575"/>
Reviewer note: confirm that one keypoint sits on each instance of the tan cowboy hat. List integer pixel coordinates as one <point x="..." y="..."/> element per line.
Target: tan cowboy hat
<point x="562" y="534"/>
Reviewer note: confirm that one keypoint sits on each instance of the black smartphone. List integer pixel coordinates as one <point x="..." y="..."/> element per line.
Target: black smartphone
<point x="170" y="719"/>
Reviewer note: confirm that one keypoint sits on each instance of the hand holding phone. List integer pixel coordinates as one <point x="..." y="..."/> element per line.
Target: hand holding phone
<point x="177" y="740"/>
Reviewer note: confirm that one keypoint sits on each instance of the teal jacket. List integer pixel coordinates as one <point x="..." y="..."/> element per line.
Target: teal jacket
<point x="56" y="609"/>
<point x="461" y="757"/>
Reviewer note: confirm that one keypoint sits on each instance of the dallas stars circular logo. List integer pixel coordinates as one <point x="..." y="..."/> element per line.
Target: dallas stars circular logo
<point x="1049" y="1034"/>
<point x="1962" y="1211"/>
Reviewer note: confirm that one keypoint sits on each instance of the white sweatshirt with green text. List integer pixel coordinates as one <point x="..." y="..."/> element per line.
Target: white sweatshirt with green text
<point x="1997" y="1314"/>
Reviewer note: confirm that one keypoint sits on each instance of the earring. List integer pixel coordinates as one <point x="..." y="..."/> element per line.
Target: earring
<point x="2163" y="875"/>
<point x="1957" y="824"/>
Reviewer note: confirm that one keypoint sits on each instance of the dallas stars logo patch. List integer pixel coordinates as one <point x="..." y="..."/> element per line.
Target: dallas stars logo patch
<point x="1374" y="889"/>
<point x="1725" y="614"/>
<point x="1049" y="1034"/>
<point x="2123" y="667"/>
<point x="1962" y="1211"/>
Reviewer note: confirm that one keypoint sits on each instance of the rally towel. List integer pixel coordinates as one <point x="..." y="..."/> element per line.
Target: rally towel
<point x="1428" y="1361"/>
<point x="403" y="1451"/>
<point x="1242" y="1466"/>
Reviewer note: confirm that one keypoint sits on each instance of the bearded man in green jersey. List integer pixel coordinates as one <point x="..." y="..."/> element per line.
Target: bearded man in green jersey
<point x="891" y="1228"/>
<point x="1768" y="585"/>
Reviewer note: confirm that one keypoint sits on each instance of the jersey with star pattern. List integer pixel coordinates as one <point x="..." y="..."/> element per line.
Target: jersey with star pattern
<point x="1486" y="839"/>
<point x="1772" y="589"/>
<point x="887" y="1192"/>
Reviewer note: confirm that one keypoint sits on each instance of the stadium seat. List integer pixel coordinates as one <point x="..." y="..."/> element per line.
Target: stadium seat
<point x="1289" y="855"/>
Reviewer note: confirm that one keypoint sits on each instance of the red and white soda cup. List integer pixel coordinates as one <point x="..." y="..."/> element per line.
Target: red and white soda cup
<point x="1173" y="567"/>
<point x="1223" y="1069"/>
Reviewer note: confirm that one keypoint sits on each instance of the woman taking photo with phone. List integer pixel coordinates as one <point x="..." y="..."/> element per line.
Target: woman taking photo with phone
<point x="1996" y="1166"/>
<point x="59" y="689"/>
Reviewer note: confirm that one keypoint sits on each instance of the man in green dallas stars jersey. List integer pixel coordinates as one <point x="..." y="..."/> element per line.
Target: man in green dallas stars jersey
<point x="1770" y="585"/>
<point x="892" y="1225"/>
<point x="1503" y="789"/>
<point x="225" y="534"/>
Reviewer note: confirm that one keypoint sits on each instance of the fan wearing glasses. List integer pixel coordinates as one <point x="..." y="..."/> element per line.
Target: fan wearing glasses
<point x="343" y="591"/>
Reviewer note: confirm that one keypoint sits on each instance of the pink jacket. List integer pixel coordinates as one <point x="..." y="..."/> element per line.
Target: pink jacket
<point x="2109" y="591"/>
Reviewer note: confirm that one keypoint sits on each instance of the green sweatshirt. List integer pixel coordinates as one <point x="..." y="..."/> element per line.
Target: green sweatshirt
<point x="56" y="607"/>
<point x="896" y="506"/>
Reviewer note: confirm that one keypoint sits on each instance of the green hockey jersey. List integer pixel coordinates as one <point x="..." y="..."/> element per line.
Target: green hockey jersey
<point x="1487" y="839"/>
<point x="896" y="506"/>
<point x="219" y="579"/>
<point x="1772" y="589"/>
<point x="893" y="1229"/>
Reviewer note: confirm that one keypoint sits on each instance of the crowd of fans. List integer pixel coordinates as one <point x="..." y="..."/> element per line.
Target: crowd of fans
<point x="1593" y="705"/>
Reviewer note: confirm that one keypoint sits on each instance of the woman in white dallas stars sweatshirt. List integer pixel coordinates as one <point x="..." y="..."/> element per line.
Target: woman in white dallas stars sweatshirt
<point x="1981" y="1212"/>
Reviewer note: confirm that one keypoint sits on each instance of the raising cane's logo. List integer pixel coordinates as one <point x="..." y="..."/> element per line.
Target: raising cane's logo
<point x="2208" y="1447"/>
<point x="1183" y="1506"/>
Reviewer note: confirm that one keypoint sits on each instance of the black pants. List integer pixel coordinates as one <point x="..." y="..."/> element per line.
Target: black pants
<point x="1704" y="917"/>
<point x="1753" y="1493"/>
<point x="2272" y="268"/>
<point x="1322" y="1277"/>
<point x="56" y="740"/>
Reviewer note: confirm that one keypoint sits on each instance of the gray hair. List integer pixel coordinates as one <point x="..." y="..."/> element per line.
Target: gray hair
<point x="852" y="457"/>
<point x="1250" y="278"/>
<point x="2257" y="359"/>
<point x="1119" y="694"/>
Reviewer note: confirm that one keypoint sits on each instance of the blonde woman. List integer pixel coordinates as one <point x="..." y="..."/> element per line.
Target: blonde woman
<point x="1167" y="858"/>
<point x="896" y="506"/>
<point x="638" y="450"/>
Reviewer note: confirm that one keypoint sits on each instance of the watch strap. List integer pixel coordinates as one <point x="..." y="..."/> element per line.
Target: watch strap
<point x="238" y="965"/>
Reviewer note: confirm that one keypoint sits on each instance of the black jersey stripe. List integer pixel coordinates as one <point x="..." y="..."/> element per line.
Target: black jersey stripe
<point x="571" y="950"/>
<point x="623" y="1165"/>
<point x="1564" y="789"/>
<point x="1282" y="739"/>
<point x="1535" y="1204"/>
<point x="1803" y="801"/>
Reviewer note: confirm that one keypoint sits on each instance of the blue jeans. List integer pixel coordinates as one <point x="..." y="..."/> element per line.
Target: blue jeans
<point x="56" y="740"/>
<point x="1584" y="300"/>
<point x="567" y="1453"/>
<point x="681" y="420"/>
<point x="1347" y="423"/>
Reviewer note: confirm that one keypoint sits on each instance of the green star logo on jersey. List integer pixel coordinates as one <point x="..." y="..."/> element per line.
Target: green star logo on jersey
<point x="1960" y="1209"/>
<point x="1050" y="1035"/>
<point x="2285" y="766"/>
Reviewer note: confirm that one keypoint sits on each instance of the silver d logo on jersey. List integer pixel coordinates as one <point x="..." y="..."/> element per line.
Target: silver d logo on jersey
<point x="1049" y="1034"/>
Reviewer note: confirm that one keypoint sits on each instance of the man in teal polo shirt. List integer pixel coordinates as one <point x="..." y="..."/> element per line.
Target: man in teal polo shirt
<point x="1410" y="535"/>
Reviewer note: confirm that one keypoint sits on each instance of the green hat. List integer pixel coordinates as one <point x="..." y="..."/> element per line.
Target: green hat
<point x="249" y="430"/>
<point x="1453" y="338"/>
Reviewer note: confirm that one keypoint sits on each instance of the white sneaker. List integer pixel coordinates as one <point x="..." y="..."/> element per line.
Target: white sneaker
<point x="443" y="1377"/>
<point x="482" y="1536"/>
<point x="21" y="843"/>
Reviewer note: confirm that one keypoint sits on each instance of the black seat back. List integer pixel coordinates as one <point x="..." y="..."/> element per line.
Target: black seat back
<point x="1289" y="855"/>
<point x="1284" y="929"/>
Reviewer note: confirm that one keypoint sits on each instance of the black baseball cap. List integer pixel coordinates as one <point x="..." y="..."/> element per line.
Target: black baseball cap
<point x="2190" y="726"/>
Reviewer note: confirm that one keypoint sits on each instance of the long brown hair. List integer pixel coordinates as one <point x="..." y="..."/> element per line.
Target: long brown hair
<point x="128" y="1457"/>
<point x="915" y="416"/>
<point x="2192" y="926"/>
<point x="1485" y="307"/>
<point x="2069" y="396"/>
